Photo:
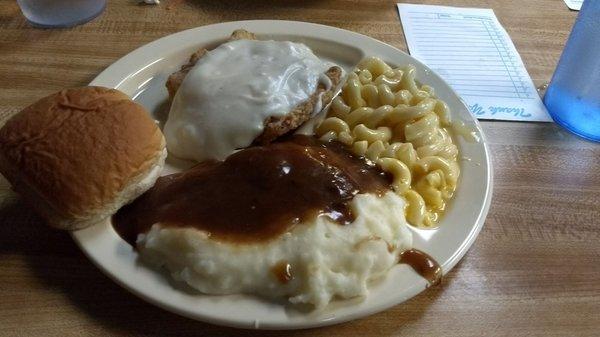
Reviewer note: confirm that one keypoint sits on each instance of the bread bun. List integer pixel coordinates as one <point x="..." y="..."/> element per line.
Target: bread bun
<point x="78" y="155"/>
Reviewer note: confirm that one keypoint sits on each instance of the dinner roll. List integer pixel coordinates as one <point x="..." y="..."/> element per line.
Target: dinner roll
<point x="80" y="154"/>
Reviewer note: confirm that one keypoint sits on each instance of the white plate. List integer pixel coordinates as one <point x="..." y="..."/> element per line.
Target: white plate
<point x="142" y="74"/>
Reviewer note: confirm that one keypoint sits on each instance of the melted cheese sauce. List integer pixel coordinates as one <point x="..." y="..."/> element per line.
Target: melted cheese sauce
<point x="225" y="99"/>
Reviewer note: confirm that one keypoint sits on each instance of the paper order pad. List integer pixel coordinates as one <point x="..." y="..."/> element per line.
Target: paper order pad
<point x="574" y="4"/>
<point x="471" y="50"/>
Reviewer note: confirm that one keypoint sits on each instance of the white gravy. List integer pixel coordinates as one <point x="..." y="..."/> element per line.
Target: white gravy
<point x="225" y="99"/>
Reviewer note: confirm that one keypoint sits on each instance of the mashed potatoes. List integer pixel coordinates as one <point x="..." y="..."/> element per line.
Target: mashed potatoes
<point x="326" y="260"/>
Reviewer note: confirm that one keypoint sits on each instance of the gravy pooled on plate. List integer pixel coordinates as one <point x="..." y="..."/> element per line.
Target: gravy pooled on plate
<point x="256" y="194"/>
<point x="423" y="264"/>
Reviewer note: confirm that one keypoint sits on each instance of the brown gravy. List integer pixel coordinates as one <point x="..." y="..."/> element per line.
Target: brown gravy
<point x="256" y="194"/>
<point x="423" y="264"/>
<point x="283" y="272"/>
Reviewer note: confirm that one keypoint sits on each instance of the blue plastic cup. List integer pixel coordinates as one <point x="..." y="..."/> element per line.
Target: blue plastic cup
<point x="573" y="96"/>
<point x="60" y="13"/>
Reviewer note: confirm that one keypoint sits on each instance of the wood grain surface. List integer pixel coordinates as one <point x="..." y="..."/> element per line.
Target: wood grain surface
<point x="533" y="271"/>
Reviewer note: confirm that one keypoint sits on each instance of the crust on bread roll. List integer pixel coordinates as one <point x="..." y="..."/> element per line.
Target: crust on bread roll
<point x="78" y="155"/>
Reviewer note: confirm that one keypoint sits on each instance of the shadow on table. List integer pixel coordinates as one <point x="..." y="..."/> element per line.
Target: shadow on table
<point x="233" y="10"/>
<point x="248" y="6"/>
<point x="57" y="263"/>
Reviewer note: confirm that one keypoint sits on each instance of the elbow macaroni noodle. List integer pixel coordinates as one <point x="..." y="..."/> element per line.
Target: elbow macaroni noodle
<point x="383" y="115"/>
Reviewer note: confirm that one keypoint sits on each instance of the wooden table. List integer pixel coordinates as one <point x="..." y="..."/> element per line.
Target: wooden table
<point x="533" y="271"/>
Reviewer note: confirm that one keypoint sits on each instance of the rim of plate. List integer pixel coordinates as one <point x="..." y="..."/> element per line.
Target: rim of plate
<point x="148" y="55"/>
